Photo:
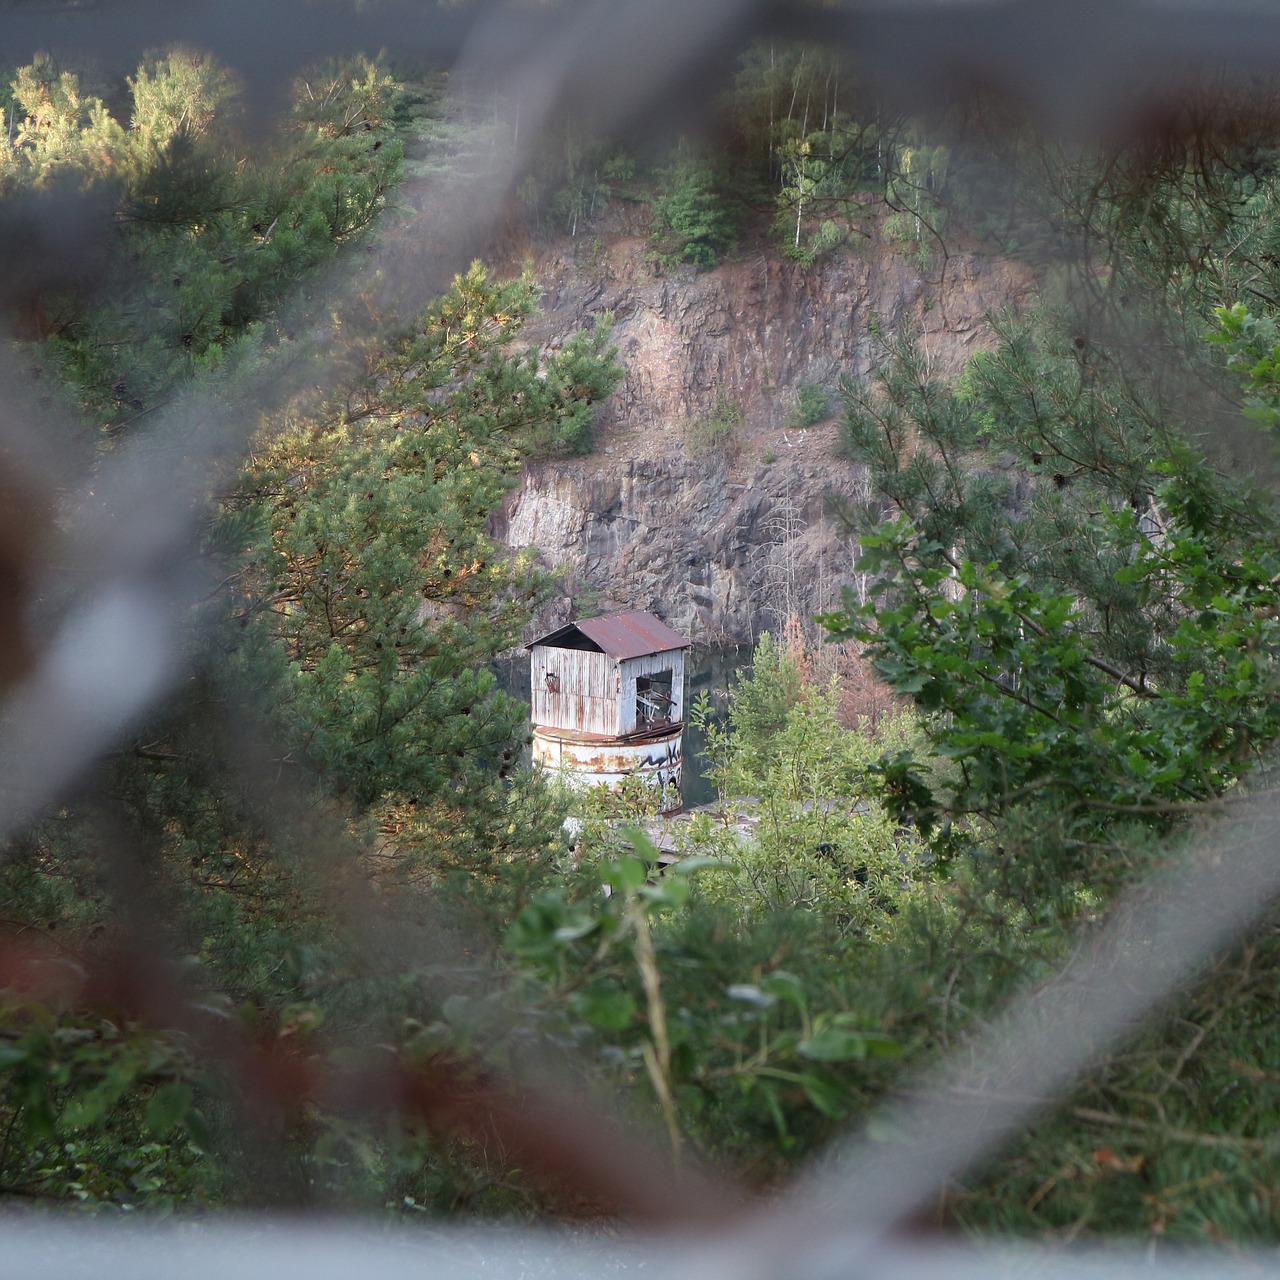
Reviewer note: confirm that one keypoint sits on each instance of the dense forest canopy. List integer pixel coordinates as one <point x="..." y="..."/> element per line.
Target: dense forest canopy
<point x="310" y="931"/>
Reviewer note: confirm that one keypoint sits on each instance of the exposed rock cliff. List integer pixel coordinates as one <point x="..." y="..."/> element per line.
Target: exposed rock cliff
<point x="717" y="538"/>
<point x="717" y="550"/>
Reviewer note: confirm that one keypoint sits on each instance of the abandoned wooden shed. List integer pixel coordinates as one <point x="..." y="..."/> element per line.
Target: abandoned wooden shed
<point x="607" y="698"/>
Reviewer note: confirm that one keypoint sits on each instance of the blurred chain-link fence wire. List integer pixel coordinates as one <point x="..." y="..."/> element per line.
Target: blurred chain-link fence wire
<point x="100" y="575"/>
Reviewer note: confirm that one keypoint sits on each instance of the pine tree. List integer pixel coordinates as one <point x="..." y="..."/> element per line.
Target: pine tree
<point x="1051" y="559"/>
<point x="357" y="633"/>
<point x="207" y="241"/>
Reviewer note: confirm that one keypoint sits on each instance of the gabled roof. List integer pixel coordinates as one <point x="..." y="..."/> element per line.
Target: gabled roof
<point x="620" y="635"/>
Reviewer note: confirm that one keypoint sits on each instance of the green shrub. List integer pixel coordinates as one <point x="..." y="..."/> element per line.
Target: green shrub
<point x="694" y="223"/>
<point x="820" y="842"/>
<point x="619" y="167"/>
<point x="809" y="405"/>
<point x="813" y="247"/>
<point x="586" y="601"/>
<point x="717" y="432"/>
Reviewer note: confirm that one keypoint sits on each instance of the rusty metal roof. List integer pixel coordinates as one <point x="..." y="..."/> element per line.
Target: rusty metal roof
<point x="620" y="635"/>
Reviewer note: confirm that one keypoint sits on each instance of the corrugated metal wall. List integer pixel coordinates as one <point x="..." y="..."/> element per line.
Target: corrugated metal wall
<point x="596" y="694"/>
<point x="588" y="698"/>
<point x="650" y="664"/>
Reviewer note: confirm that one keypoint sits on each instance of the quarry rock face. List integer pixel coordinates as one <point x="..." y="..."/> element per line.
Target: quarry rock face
<point x="719" y="552"/>
<point x="706" y="502"/>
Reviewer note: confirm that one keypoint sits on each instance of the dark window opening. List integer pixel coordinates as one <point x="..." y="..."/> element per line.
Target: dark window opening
<point x="573" y="640"/>
<point x="654" y="703"/>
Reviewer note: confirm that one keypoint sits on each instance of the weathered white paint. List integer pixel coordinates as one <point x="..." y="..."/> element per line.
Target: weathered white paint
<point x="586" y="699"/>
<point x="607" y="762"/>
<point x="595" y="693"/>
<point x="585" y="723"/>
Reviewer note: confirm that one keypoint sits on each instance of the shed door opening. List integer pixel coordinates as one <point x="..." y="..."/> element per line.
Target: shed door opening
<point x="653" y="700"/>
